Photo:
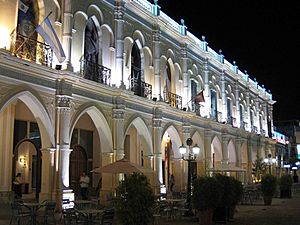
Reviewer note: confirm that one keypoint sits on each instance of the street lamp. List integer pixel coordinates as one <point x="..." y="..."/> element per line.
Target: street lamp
<point x="269" y="161"/>
<point x="189" y="155"/>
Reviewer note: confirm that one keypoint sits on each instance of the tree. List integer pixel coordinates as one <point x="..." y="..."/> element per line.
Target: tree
<point x="259" y="168"/>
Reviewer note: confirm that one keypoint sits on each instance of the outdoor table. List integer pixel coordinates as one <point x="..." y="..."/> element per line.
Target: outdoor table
<point x="91" y="213"/>
<point x="172" y="204"/>
<point x="33" y="206"/>
<point x="82" y="204"/>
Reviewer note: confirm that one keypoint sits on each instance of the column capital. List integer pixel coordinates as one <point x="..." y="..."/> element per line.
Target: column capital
<point x="155" y="32"/>
<point x="63" y="101"/>
<point x="118" y="14"/>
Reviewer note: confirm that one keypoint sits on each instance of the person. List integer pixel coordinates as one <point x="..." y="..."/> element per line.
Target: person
<point x="18" y="186"/>
<point x="172" y="183"/>
<point x="84" y="184"/>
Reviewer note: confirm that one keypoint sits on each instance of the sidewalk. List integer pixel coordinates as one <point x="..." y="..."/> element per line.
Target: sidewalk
<point x="281" y="212"/>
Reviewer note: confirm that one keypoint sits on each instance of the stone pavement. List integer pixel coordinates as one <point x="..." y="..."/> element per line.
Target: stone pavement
<point x="281" y="212"/>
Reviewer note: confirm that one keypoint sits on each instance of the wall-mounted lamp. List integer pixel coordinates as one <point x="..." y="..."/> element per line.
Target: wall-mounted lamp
<point x="23" y="161"/>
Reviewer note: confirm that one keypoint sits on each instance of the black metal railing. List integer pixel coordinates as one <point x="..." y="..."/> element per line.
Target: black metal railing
<point x="254" y="129"/>
<point x="30" y="49"/>
<point x="95" y="72"/>
<point x="173" y="100"/>
<point x="140" y="88"/>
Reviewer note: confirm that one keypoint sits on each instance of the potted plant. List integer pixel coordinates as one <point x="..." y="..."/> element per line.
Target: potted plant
<point x="134" y="200"/>
<point x="207" y="194"/>
<point x="268" y="188"/>
<point x="285" y="186"/>
<point x="236" y="187"/>
<point x="232" y="194"/>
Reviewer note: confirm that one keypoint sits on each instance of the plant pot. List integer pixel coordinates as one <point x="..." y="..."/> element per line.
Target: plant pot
<point x="268" y="200"/>
<point x="285" y="193"/>
<point x="206" y="217"/>
<point x="231" y="211"/>
<point x="220" y="214"/>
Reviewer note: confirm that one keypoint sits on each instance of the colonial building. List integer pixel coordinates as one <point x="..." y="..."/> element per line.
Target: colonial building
<point x="129" y="85"/>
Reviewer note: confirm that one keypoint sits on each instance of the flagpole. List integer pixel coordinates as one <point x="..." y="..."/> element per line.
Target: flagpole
<point x="192" y="98"/>
<point x="32" y="33"/>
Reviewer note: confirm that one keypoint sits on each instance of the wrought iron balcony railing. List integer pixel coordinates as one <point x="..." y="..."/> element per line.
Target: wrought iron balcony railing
<point x="31" y="49"/>
<point x="173" y="100"/>
<point x="254" y="129"/>
<point x="141" y="88"/>
<point x="95" y="72"/>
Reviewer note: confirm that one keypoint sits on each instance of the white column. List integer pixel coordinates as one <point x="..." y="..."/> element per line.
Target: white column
<point x="62" y="157"/>
<point x="7" y="118"/>
<point x="224" y="99"/>
<point x="119" y="42"/>
<point x="157" y="133"/>
<point x="118" y="128"/>
<point x="67" y="32"/>
<point x="186" y="129"/>
<point x="156" y="61"/>
<point x="206" y="89"/>
<point x="237" y="103"/>
<point x="250" y="161"/>
<point x="207" y="146"/>
<point x="186" y="78"/>
<point x="47" y="176"/>
<point x="249" y="128"/>
<point x="225" y="154"/>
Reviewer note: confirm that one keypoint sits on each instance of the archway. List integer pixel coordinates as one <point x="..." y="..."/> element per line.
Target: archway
<point x="27" y="161"/>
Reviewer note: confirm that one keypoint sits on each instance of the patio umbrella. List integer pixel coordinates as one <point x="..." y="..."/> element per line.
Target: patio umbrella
<point x="122" y="166"/>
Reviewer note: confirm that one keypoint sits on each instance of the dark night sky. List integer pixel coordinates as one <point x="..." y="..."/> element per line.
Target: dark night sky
<point x="262" y="36"/>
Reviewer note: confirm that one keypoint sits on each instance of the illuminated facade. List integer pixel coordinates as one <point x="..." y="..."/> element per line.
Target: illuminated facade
<point x="125" y="89"/>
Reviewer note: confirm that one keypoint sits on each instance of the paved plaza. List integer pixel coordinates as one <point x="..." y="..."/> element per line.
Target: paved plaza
<point x="281" y="212"/>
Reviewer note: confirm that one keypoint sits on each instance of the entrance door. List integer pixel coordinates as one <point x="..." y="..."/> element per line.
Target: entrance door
<point x="78" y="164"/>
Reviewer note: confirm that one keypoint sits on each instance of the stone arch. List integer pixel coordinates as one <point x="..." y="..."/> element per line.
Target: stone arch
<point x="100" y="122"/>
<point x="93" y="10"/>
<point x="80" y="19"/>
<point x="140" y="124"/>
<point x="198" y="139"/>
<point x="216" y="150"/>
<point x="232" y="153"/>
<point x="35" y="104"/>
<point x="138" y="35"/>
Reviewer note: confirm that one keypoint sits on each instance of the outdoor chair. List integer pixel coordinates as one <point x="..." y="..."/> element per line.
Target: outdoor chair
<point x="108" y="216"/>
<point x="19" y="213"/>
<point x="48" y="212"/>
<point x="69" y="216"/>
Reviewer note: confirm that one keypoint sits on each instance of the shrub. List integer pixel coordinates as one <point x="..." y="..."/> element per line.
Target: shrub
<point x="268" y="185"/>
<point x="134" y="200"/>
<point x="207" y="193"/>
<point x="285" y="182"/>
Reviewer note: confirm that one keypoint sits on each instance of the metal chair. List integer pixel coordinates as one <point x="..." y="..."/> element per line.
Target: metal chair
<point x="108" y="216"/>
<point x="19" y="213"/>
<point x="48" y="213"/>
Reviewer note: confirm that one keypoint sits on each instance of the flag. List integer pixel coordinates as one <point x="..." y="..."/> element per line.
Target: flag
<point x="50" y="37"/>
<point x="23" y="7"/>
<point x="199" y="97"/>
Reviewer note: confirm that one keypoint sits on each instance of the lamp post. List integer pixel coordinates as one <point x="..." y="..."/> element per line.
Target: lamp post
<point x="269" y="161"/>
<point x="189" y="155"/>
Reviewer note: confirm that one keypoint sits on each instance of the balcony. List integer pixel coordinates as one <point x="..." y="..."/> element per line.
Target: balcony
<point x="95" y="72"/>
<point x="141" y="88"/>
<point x="173" y="100"/>
<point x="254" y="129"/>
<point x="30" y="49"/>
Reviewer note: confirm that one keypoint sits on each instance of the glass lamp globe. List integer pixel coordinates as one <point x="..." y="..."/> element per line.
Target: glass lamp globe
<point x="196" y="149"/>
<point x="182" y="149"/>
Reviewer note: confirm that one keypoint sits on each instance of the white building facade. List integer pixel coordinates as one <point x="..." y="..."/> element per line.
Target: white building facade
<point x="125" y="90"/>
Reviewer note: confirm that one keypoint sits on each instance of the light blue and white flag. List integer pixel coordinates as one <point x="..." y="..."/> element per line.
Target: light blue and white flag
<point x="50" y="37"/>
